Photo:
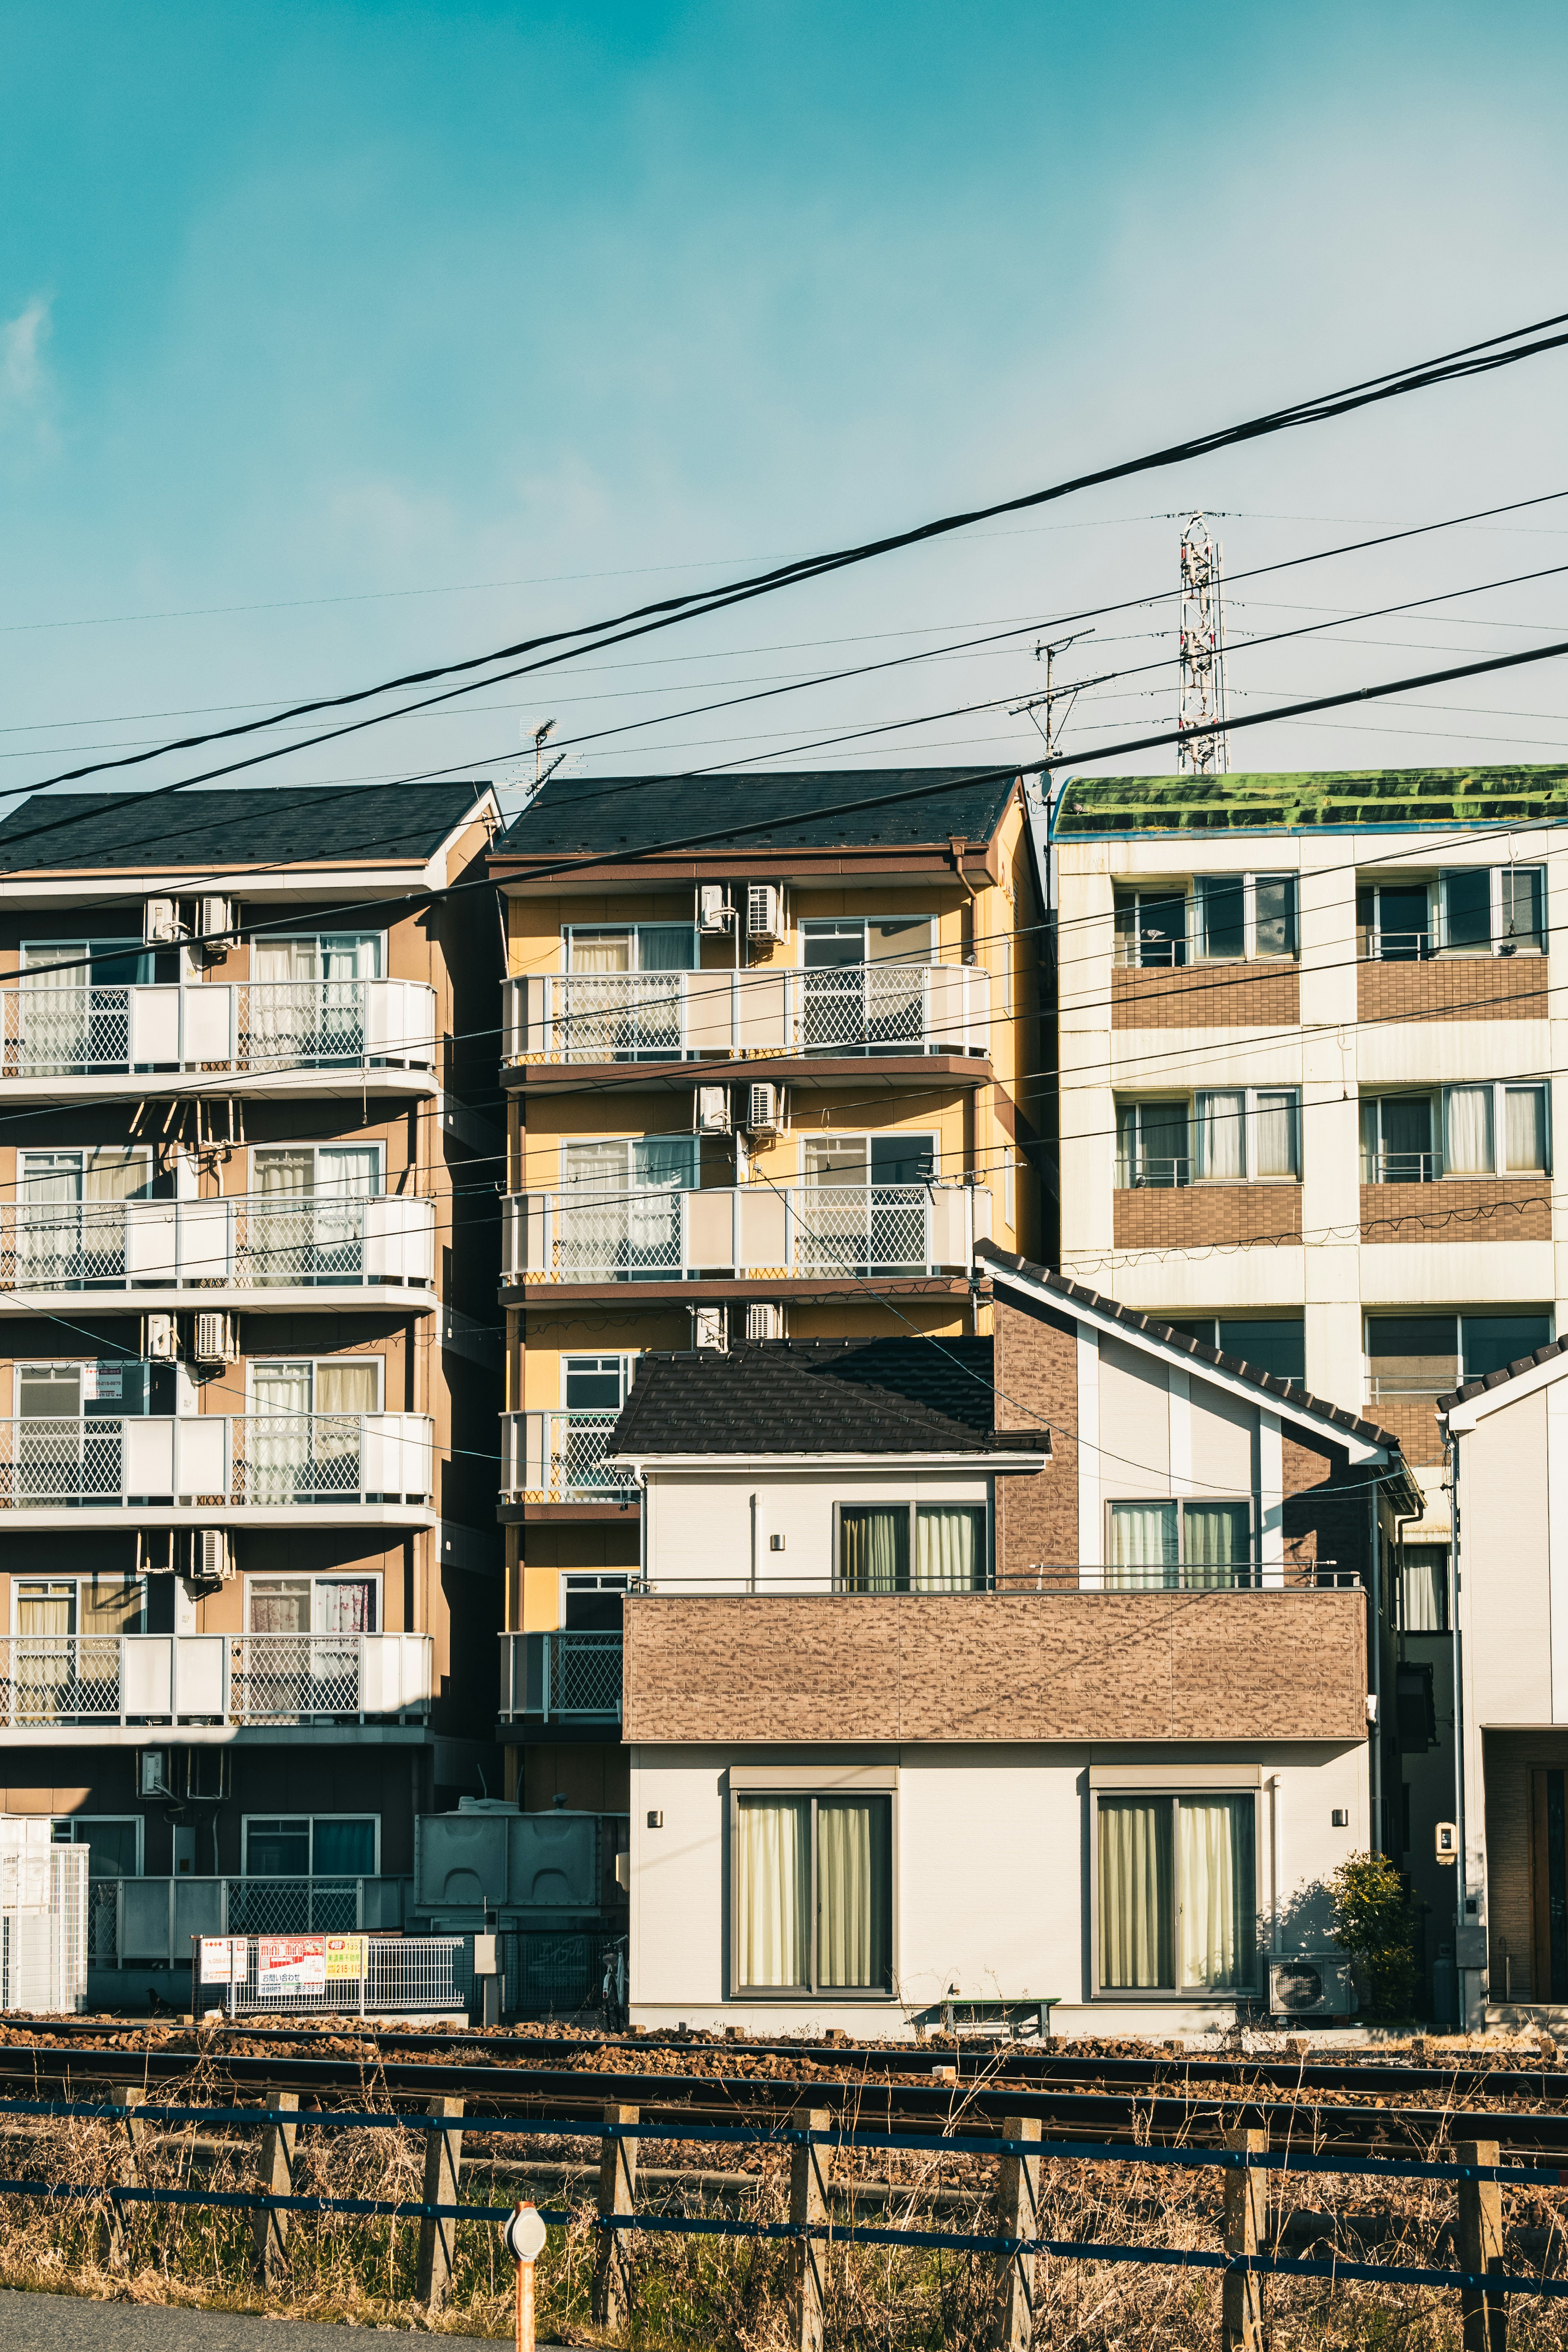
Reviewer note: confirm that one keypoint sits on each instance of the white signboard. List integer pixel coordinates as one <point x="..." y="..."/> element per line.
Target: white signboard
<point x="223" y="1960"/>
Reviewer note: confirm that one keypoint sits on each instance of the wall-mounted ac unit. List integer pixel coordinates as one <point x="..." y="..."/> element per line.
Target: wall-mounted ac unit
<point x="161" y="1341"/>
<point x="713" y="912"/>
<point x="764" y="1109"/>
<point x="212" y="1561"/>
<point x="160" y="923"/>
<point x="713" y="1110"/>
<point x="214" y="1339"/>
<point x="710" y="1329"/>
<point x="214" y="924"/>
<point x="1312" y="1984"/>
<point x="764" y="1320"/>
<point x="764" y="910"/>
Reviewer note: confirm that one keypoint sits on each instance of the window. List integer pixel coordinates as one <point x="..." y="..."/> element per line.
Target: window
<point x="862" y="990"/>
<point x="813" y="1894"/>
<point x="296" y="1389"/>
<point x="110" y="1387"/>
<point x="1152" y="1145"/>
<point x="311" y="1846"/>
<point x="1245" y="915"/>
<point x="99" y="963"/>
<point x="595" y="1383"/>
<point x="632" y="1164"/>
<point x="1151" y="927"/>
<point x="1178" y="1893"/>
<point x="318" y="955"/>
<point x="1246" y="1134"/>
<point x="1491" y="1129"/>
<point x="631" y="946"/>
<point x="591" y="1602"/>
<point x="1393" y="921"/>
<point x="113" y="1842"/>
<point x="311" y="1604"/>
<point x="1469" y="911"/>
<point x="330" y="1171"/>
<point x="1274" y="1344"/>
<point x="919" y="1548"/>
<point x="868" y="1160"/>
<point x="1424" y="1588"/>
<point x="1428" y="1355"/>
<point x="839" y="940"/>
<point x="1180" y="1546"/>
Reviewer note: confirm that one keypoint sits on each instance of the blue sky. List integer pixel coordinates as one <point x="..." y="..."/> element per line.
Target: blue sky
<point x="341" y="316"/>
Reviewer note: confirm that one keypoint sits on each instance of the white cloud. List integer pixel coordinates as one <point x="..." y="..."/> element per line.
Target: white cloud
<point x="25" y="381"/>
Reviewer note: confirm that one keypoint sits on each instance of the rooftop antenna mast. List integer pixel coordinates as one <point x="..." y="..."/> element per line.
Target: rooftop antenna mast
<point x="1202" y="655"/>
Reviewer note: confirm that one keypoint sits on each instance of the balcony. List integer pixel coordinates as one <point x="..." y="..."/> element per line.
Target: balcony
<point x="268" y="1249"/>
<point x="751" y="1233"/>
<point x="60" y="1039"/>
<point x="272" y="1467"/>
<point x="147" y="1921"/>
<point x="851" y="1010"/>
<point x="106" y="1683"/>
<point x="559" y="1457"/>
<point x="560" y="1679"/>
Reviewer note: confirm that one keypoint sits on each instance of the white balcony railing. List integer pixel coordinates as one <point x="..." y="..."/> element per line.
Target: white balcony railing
<point x="54" y="1029"/>
<point x="53" y="1681"/>
<point x="245" y="1242"/>
<point x="211" y="1461"/>
<point x="662" y="1016"/>
<point x="561" y="1677"/>
<point x="752" y="1232"/>
<point x="559" y="1457"/>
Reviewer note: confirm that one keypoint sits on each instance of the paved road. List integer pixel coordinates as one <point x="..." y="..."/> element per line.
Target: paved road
<point x="68" y="2323"/>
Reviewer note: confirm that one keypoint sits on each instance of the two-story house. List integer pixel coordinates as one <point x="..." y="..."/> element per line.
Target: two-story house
<point x="248" y="1554"/>
<point x="1033" y="1667"/>
<point x="762" y="1086"/>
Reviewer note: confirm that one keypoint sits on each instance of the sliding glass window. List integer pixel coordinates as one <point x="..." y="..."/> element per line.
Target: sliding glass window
<point x="1172" y="1545"/>
<point x="813" y="1894"/>
<point x="1177" y="1894"/>
<point x="926" y="1547"/>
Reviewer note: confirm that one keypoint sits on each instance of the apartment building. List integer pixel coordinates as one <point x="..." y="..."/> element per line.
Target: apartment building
<point x="1030" y="1668"/>
<point x="763" y="1084"/>
<point x="249" y="1572"/>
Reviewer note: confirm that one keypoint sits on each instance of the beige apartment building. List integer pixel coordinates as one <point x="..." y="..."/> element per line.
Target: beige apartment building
<point x="763" y="1086"/>
<point x="249" y="1576"/>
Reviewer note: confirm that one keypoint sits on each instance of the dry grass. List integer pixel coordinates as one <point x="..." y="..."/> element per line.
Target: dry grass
<point x="692" y="2293"/>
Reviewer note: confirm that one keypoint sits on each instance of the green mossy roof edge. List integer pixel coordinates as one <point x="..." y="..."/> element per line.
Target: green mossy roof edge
<point x="1290" y="802"/>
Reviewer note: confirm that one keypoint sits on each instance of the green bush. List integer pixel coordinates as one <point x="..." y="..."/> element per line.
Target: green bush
<point x="1373" y="1921"/>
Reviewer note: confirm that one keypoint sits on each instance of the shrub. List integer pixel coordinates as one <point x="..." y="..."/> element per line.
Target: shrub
<point x="1373" y="1921"/>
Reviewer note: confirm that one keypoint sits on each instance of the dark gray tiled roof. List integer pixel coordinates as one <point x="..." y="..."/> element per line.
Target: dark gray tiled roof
<point x="1467" y="1389"/>
<point x="817" y="1396"/>
<point x="258" y="825"/>
<point x="1077" y="1294"/>
<point x="635" y="811"/>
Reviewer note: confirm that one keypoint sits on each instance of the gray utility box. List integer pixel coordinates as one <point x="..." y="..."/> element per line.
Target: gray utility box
<point x="497" y="1860"/>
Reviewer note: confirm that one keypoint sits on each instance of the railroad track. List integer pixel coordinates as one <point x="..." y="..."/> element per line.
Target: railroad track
<point x="1161" y="2115"/>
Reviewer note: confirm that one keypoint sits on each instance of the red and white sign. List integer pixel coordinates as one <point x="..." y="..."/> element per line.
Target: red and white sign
<point x="290" y="1964"/>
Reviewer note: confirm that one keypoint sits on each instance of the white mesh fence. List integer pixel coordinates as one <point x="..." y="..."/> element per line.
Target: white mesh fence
<point x="43" y="1918"/>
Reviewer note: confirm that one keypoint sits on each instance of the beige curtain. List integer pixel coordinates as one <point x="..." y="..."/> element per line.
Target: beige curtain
<point x="49" y="1192"/>
<point x="284" y="959"/>
<point x="1221" y="1125"/>
<point x="279" y="1433"/>
<point x="1274" y="1129"/>
<point x="874" y="1549"/>
<point x="1525" y="1129"/>
<point x="1216" y="1931"/>
<point x="1424" y="1589"/>
<point x="110" y="1605"/>
<point x="1468" y="1150"/>
<point x="1144" y="1545"/>
<point x="773" y="1898"/>
<point x="1135" y="1893"/>
<point x="1216" y="1543"/>
<point x="277" y="1228"/>
<point x="116" y="1171"/>
<point x="610" y="951"/>
<point x="348" y="1384"/>
<point x="949" y="1549"/>
<point x="851" y="1891"/>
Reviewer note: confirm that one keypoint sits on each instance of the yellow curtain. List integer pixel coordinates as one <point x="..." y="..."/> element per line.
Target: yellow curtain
<point x="851" y="1891"/>
<point x="774" y="1895"/>
<point x="1135" y="1893"/>
<point x="116" y="1171"/>
<point x="348" y="1384"/>
<point x="1216" y="1927"/>
<point x="611" y="952"/>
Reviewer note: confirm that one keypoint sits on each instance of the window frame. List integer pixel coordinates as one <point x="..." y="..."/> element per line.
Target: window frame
<point x="314" y="1147"/>
<point x="138" y="1822"/>
<point x="1130" y="896"/>
<point x="310" y="1821"/>
<point x="1180" y="1504"/>
<point x="351" y="1356"/>
<point x="868" y="1136"/>
<point x="811" y="1782"/>
<point x="1249" y="1133"/>
<point x="915" y="1505"/>
<point x="1434" y="940"/>
<point x="371" y="1576"/>
<point x="633" y="932"/>
<point x="804" y="927"/>
<point x="1438" y="1097"/>
<point x="1458" y="1316"/>
<point x="1248" y="885"/>
<point x="1149" y="1785"/>
<point x="292" y="939"/>
<point x="625" y="1361"/>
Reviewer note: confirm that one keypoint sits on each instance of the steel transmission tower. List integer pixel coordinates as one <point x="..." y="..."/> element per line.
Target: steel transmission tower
<point x="1202" y="653"/>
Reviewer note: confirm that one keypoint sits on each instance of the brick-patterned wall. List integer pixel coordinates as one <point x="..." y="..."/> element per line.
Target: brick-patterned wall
<point x="1207" y="996"/>
<point x="1035" y="1368"/>
<point x="1326" y="1508"/>
<point x="1458" y="1209"/>
<point x="1414" y="1422"/>
<point x="1191" y="1216"/>
<point x="1510" y="1758"/>
<point x="997" y="1667"/>
<point x="1466" y="988"/>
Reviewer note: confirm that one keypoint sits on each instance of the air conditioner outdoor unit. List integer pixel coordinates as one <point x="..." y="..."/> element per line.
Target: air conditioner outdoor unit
<point x="764" y="910"/>
<point x="713" y="1110"/>
<point x="712" y="909"/>
<point x="211" y="1560"/>
<point x="1312" y="1984"/>
<point x="710" y="1329"/>
<point x="764" y="1109"/>
<point x="162" y="1341"/>
<point x="214" y="1339"/>
<point x="764" y="1320"/>
<point x="215" y="923"/>
<point x="160" y="923"/>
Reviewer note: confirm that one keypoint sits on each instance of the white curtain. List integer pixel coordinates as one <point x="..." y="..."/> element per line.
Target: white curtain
<point x="1219" y="1134"/>
<point x="1134" y="1893"/>
<point x="608" y="952"/>
<point x="1215" y="1543"/>
<point x="346" y="1175"/>
<point x="56" y="1006"/>
<point x="279" y="1433"/>
<point x="1216" y="1931"/>
<point x="1468" y="1150"/>
<point x="874" y="1549"/>
<point x="773" y="1898"/>
<point x="852" y="1873"/>
<point x="48" y="1215"/>
<point x="1143" y="1544"/>
<point x="949" y="1549"/>
<point x="277" y="1224"/>
<point x="1274" y="1135"/>
<point x="1525" y="1131"/>
<point x="282" y="1007"/>
<point x="1424" y="1589"/>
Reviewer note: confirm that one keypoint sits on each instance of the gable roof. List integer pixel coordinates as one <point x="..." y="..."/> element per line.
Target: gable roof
<point x="1310" y="802"/>
<point x="817" y="1396"/>
<point x="265" y="824"/>
<point x="1288" y="1397"/>
<point x="635" y="812"/>
<point x="1555" y="1353"/>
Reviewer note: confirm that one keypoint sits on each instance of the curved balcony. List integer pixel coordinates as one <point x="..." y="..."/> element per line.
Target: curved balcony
<point x="261" y="1251"/>
<point x="749" y="1233"/>
<point x="60" y="1039"/>
<point x="336" y="1468"/>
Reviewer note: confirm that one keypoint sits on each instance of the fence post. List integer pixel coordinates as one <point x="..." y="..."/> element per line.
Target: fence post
<point x="443" y="2166"/>
<point x="129" y="2169"/>
<point x="617" y="2194"/>
<point x="811" y="2169"/>
<point x="1246" y="2194"/>
<point x="273" y="2178"/>
<point x="1484" y="2311"/>
<point x="1017" y="2216"/>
